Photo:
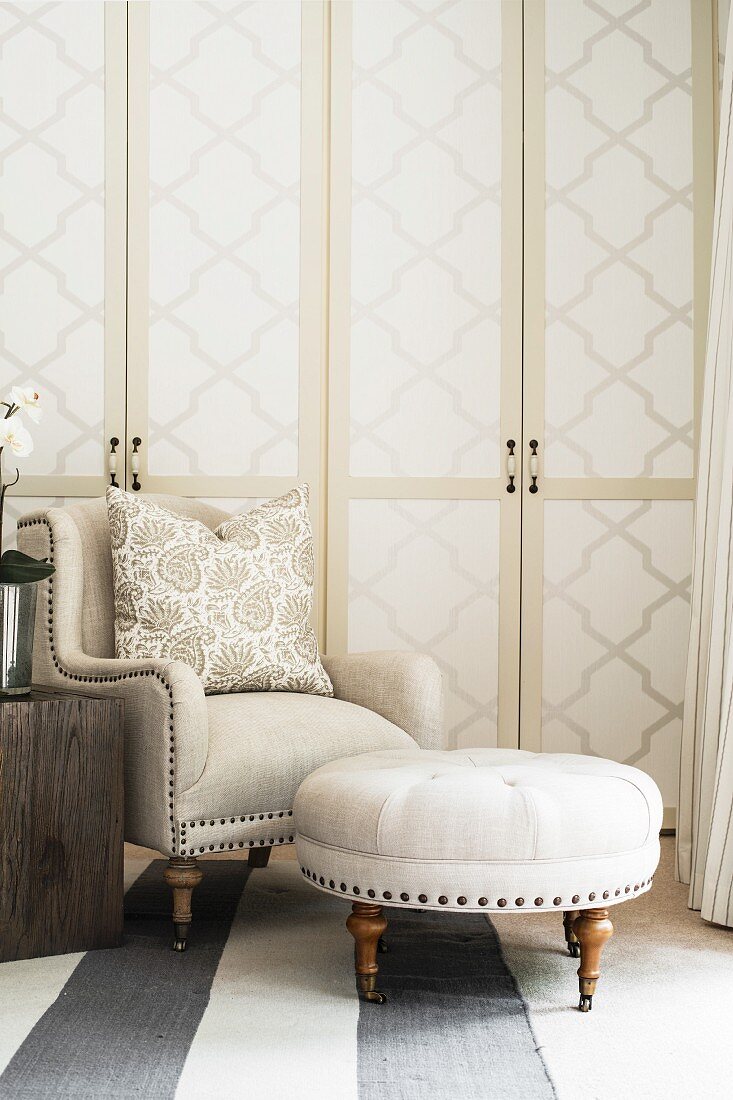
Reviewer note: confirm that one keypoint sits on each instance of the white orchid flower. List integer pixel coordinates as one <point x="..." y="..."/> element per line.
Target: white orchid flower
<point x="27" y="400"/>
<point x="15" y="435"/>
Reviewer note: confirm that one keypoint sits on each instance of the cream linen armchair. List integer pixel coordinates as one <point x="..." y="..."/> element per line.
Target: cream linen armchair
<point x="209" y="773"/>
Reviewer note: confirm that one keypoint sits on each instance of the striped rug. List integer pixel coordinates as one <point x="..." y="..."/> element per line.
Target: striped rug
<point x="263" y="1005"/>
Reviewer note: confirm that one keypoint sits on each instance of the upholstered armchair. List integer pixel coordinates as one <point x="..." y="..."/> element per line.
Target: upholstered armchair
<point x="209" y="773"/>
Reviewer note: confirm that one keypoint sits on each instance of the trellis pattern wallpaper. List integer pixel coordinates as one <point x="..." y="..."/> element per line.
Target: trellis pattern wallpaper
<point x="426" y="239"/>
<point x="52" y="224"/>
<point x="224" y="238"/>
<point x="424" y="576"/>
<point x="425" y="338"/>
<point x="616" y="616"/>
<point x="619" y="356"/>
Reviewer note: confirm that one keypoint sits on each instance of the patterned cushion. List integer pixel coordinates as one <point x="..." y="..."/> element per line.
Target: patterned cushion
<point x="234" y="603"/>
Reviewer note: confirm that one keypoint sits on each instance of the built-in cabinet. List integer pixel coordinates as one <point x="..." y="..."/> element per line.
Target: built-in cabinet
<point x="447" y="264"/>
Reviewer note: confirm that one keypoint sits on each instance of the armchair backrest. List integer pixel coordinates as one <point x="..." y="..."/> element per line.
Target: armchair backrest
<point x="77" y="540"/>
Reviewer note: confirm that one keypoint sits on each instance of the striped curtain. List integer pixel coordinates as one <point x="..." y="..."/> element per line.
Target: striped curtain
<point x="705" y="816"/>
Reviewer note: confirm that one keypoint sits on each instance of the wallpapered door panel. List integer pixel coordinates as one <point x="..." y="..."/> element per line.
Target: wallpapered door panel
<point x="224" y="238"/>
<point x="619" y="355"/>
<point x="52" y="232"/>
<point x="426" y="239"/>
<point x="424" y="576"/>
<point x="616" y="619"/>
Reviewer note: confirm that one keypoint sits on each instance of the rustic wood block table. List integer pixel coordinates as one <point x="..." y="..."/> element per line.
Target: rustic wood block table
<point x="61" y="823"/>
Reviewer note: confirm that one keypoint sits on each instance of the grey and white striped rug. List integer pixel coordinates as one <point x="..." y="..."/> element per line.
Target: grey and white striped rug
<point x="263" y="1005"/>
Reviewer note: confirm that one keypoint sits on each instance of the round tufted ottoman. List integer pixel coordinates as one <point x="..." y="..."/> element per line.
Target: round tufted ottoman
<point x="479" y="830"/>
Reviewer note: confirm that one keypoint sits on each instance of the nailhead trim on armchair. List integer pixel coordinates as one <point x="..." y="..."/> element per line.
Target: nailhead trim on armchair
<point x="112" y="680"/>
<point x="235" y="844"/>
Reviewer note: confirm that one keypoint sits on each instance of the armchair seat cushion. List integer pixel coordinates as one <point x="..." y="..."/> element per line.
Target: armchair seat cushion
<point x="262" y="745"/>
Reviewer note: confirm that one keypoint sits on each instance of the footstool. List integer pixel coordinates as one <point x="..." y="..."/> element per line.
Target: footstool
<point x="479" y="831"/>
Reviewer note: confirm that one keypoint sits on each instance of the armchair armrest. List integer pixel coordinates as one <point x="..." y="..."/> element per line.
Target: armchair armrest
<point x="166" y="725"/>
<point x="405" y="688"/>
<point x="166" y="735"/>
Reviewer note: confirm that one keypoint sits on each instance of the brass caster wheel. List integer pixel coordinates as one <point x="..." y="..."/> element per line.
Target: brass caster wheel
<point x="180" y="931"/>
<point x="574" y="950"/>
<point x="382" y="946"/>
<point x="586" y="1002"/>
<point x="374" y="996"/>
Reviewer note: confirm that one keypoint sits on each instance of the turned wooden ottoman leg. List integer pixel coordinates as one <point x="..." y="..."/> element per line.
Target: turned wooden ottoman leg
<point x="183" y="876"/>
<point x="568" y="919"/>
<point x="367" y="924"/>
<point x="593" y="929"/>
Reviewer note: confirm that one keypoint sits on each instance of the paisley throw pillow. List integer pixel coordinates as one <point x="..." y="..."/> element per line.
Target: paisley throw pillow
<point x="234" y="603"/>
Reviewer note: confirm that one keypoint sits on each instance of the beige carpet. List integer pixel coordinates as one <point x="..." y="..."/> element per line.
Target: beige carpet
<point x="662" y="1022"/>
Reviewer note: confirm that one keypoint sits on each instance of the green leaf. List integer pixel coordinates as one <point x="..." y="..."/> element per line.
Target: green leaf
<point x="17" y="568"/>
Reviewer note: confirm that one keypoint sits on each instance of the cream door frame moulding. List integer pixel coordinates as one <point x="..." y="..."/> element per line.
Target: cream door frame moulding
<point x="593" y="488"/>
<point x="344" y="487"/>
<point x="115" y="198"/>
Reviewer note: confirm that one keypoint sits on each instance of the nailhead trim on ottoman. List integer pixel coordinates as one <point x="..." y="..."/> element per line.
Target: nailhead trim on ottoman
<point x="462" y="900"/>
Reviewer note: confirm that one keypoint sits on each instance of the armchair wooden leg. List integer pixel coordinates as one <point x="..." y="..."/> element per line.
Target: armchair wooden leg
<point x="568" y="919"/>
<point x="367" y="924"/>
<point x="259" y="857"/>
<point x="183" y="876"/>
<point x="593" y="929"/>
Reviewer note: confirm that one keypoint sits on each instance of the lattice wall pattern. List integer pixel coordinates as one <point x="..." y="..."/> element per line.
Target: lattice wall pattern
<point x="224" y="238"/>
<point x="616" y="620"/>
<point x="426" y="238"/>
<point x="52" y="225"/>
<point x="619" y="357"/>
<point x="424" y="576"/>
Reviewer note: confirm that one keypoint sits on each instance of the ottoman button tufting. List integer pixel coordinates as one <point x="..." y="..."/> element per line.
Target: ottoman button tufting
<point x="438" y="818"/>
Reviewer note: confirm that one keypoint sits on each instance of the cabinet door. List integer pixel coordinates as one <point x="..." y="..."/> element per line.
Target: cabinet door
<point x="425" y="378"/>
<point x="618" y="143"/>
<point x="62" y="261"/>
<point x="225" y="307"/>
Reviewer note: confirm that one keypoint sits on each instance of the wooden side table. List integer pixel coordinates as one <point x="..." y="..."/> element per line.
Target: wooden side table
<point x="61" y="824"/>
